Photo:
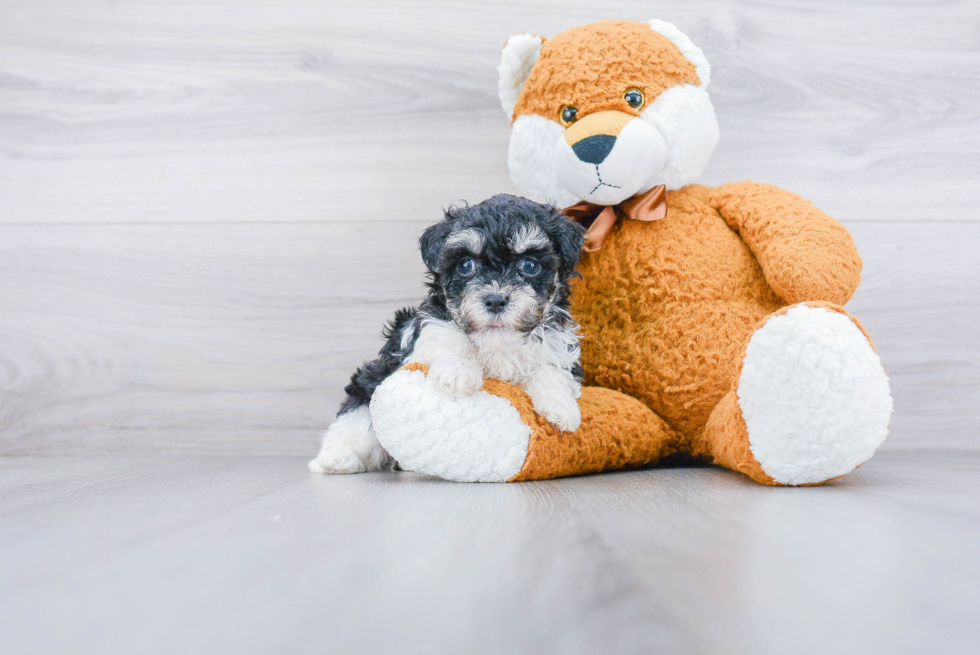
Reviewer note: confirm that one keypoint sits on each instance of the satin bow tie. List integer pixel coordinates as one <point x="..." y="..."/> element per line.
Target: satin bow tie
<point x="599" y="219"/>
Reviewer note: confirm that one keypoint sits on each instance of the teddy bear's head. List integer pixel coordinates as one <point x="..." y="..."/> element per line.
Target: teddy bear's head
<point x="605" y="111"/>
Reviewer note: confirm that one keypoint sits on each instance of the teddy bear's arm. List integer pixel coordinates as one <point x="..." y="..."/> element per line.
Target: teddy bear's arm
<point x="803" y="252"/>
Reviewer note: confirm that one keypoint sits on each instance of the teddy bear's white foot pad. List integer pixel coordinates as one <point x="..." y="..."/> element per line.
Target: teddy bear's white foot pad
<point x="814" y="396"/>
<point x="474" y="438"/>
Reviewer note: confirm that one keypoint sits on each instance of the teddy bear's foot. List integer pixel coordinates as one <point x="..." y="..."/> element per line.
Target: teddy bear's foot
<point x="475" y="438"/>
<point x="813" y="395"/>
<point x="495" y="435"/>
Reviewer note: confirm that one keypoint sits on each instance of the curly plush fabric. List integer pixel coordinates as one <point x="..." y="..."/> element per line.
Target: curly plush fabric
<point x="804" y="254"/>
<point x="717" y="331"/>
<point x="495" y="435"/>
<point x="616" y="432"/>
<point x="475" y="438"/>
<point x="808" y="402"/>
<point x="591" y="67"/>
<point x="846" y="351"/>
<point x="695" y="352"/>
<point x="667" y="306"/>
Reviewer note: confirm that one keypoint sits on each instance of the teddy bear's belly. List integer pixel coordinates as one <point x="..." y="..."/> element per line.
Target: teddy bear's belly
<point x="666" y="308"/>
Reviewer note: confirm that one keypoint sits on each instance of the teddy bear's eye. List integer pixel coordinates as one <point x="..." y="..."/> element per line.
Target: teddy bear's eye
<point x="633" y="98"/>
<point x="568" y="115"/>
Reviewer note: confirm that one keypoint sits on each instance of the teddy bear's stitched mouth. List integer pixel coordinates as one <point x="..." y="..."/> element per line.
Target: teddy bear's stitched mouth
<point x="601" y="183"/>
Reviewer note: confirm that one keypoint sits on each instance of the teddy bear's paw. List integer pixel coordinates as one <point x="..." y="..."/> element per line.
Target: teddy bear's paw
<point x="473" y="438"/>
<point x="559" y="409"/>
<point x="814" y="396"/>
<point x="456" y="376"/>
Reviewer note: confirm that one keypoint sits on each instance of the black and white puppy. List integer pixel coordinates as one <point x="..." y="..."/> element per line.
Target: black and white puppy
<point x="497" y="308"/>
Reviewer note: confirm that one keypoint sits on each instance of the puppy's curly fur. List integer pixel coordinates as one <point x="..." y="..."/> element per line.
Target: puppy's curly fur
<point x="497" y="307"/>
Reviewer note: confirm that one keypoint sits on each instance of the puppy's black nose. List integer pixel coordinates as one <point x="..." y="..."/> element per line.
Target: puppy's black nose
<point x="594" y="149"/>
<point x="495" y="303"/>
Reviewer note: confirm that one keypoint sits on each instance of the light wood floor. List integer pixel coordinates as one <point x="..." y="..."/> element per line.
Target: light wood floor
<point x="142" y="554"/>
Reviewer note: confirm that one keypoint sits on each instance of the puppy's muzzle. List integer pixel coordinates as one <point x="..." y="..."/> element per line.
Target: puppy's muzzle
<point x="495" y="303"/>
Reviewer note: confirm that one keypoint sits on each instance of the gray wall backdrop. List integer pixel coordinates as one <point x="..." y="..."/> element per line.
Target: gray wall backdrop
<point x="208" y="208"/>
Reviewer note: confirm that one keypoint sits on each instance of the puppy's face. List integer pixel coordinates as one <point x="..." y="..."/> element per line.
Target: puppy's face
<point x="503" y="264"/>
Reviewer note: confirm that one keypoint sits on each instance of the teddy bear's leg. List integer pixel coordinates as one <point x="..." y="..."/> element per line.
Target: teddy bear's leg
<point x="494" y="435"/>
<point x="810" y="402"/>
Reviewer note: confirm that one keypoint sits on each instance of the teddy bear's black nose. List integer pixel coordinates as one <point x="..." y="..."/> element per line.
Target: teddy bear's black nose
<point x="594" y="149"/>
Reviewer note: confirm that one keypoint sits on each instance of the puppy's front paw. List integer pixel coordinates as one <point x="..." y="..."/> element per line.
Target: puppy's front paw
<point x="456" y="376"/>
<point x="560" y="409"/>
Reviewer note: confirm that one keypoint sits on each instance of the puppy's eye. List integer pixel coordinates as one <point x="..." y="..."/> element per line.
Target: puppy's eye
<point x="568" y="115"/>
<point x="633" y="98"/>
<point x="467" y="267"/>
<point x="529" y="267"/>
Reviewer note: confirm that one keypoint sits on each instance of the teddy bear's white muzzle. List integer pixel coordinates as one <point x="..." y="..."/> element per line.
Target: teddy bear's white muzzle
<point x="606" y="170"/>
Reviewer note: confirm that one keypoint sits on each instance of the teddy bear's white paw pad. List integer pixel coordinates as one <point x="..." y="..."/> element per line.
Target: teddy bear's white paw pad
<point x="814" y="396"/>
<point x="474" y="438"/>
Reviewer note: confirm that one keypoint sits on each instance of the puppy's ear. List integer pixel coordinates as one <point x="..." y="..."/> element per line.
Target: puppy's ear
<point x="432" y="241"/>
<point x="568" y="237"/>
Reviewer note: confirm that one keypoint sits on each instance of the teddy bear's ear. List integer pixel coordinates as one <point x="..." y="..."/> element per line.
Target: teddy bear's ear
<point x="690" y="51"/>
<point x="518" y="57"/>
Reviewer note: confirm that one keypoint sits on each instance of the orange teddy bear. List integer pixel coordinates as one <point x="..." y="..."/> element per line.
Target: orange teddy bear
<point x="712" y="319"/>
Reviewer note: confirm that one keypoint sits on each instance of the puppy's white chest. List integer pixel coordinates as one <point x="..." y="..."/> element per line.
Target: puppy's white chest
<point x="507" y="357"/>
